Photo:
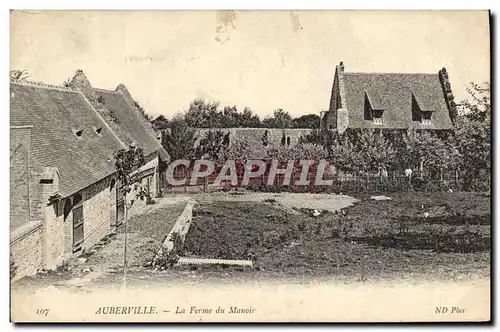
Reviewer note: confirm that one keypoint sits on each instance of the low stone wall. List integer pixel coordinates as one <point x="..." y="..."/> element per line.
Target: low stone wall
<point x="181" y="226"/>
<point x="26" y="248"/>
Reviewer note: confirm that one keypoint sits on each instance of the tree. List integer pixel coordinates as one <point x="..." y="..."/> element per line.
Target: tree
<point x="19" y="74"/>
<point x="374" y="150"/>
<point x="160" y="123"/>
<point x="249" y="120"/>
<point x="280" y="119"/>
<point x="315" y="136"/>
<point x="179" y="140"/>
<point x="239" y="150"/>
<point x="472" y="134"/>
<point x="202" y="114"/>
<point x="126" y="161"/>
<point x="310" y="121"/>
<point x="212" y="144"/>
<point x="230" y="117"/>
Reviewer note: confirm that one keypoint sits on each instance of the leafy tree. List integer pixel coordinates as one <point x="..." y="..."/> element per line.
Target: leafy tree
<point x="310" y="121"/>
<point x="239" y="149"/>
<point x="230" y="117"/>
<point x="160" y="123"/>
<point x="249" y="120"/>
<point x="473" y="134"/>
<point x="19" y="74"/>
<point x="202" y="114"/>
<point x="280" y="119"/>
<point x="315" y="136"/>
<point x="375" y="150"/>
<point x="126" y="161"/>
<point x="179" y="140"/>
<point x="212" y="144"/>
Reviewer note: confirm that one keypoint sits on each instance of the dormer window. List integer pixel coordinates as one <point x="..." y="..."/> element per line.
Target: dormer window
<point x="426" y="117"/>
<point x="78" y="133"/>
<point x="98" y="131"/>
<point x="377" y="116"/>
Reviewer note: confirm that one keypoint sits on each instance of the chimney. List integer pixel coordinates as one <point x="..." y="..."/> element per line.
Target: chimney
<point x="341" y="66"/>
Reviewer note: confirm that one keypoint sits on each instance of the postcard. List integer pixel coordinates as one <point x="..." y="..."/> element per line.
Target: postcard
<point x="250" y="166"/>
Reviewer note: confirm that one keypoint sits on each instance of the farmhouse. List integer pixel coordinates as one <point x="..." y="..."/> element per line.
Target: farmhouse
<point x="122" y="114"/>
<point x="65" y="196"/>
<point x="389" y="101"/>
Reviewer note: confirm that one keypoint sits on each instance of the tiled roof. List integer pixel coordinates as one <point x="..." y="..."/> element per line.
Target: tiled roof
<point x="393" y="93"/>
<point x="20" y="138"/>
<point x="55" y="114"/>
<point x="128" y="123"/>
<point x="254" y="137"/>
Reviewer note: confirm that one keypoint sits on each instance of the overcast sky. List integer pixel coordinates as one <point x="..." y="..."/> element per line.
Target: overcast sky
<point x="264" y="60"/>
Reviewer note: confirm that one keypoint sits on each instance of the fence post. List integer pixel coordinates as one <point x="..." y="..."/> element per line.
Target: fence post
<point x="456" y="178"/>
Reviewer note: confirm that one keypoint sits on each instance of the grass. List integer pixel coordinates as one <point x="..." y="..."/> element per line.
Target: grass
<point x="370" y="237"/>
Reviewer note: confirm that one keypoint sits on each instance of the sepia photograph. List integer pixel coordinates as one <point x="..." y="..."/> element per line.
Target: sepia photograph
<point x="231" y="166"/>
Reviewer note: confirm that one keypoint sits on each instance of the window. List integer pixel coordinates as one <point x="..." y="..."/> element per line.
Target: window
<point x="98" y="131"/>
<point x="377" y="116"/>
<point x="78" y="133"/>
<point x="426" y="118"/>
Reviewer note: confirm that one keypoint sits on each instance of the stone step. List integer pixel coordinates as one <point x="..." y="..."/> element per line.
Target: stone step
<point x="212" y="261"/>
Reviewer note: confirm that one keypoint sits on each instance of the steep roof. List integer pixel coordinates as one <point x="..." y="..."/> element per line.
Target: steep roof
<point x="127" y="122"/>
<point x="20" y="138"/>
<point x="56" y="114"/>
<point x="393" y="93"/>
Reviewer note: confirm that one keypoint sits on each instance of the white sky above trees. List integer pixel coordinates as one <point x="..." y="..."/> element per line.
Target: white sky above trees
<point x="263" y="60"/>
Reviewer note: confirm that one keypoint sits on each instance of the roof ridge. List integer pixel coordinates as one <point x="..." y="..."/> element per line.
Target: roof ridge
<point x="42" y="85"/>
<point x="386" y="73"/>
<point x="106" y="90"/>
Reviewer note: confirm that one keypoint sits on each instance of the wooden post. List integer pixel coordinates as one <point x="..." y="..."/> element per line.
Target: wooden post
<point x="185" y="182"/>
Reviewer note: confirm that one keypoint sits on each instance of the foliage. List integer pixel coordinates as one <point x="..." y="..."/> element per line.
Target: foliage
<point x="473" y="134"/>
<point x="296" y="152"/>
<point x="202" y="114"/>
<point x="126" y="161"/>
<point x="160" y="123"/>
<point x="19" y="74"/>
<point x="179" y="140"/>
<point x="280" y="119"/>
<point x="212" y="144"/>
<point x="239" y="149"/>
<point x="313" y="137"/>
<point x="310" y="121"/>
<point x="141" y="110"/>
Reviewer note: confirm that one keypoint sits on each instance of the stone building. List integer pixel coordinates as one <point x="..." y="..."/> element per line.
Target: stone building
<point x="65" y="195"/>
<point x="389" y="101"/>
<point x="123" y="115"/>
<point x="63" y="189"/>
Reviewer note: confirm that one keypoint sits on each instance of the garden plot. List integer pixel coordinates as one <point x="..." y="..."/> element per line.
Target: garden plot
<point x="414" y="232"/>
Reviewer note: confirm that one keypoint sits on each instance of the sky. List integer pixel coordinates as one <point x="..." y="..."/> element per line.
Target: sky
<point x="263" y="60"/>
